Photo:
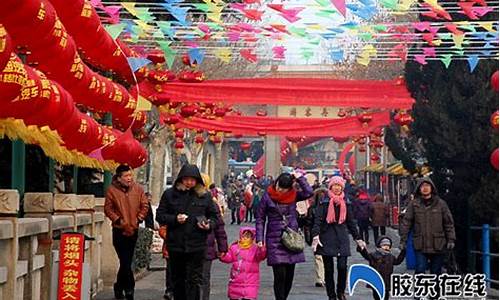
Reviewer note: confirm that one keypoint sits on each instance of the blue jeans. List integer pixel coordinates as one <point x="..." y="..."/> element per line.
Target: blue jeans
<point x="436" y="262"/>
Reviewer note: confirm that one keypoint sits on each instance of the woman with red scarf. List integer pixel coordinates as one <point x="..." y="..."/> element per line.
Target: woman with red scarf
<point x="333" y="221"/>
<point x="278" y="203"/>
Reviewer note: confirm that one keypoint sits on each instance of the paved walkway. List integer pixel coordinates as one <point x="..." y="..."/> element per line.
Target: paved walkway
<point x="151" y="287"/>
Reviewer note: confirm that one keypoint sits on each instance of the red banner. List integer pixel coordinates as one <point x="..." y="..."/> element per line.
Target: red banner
<point x="287" y="91"/>
<point x="70" y="266"/>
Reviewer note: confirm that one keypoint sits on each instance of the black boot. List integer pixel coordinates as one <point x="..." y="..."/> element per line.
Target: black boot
<point x="118" y="292"/>
<point x="129" y="295"/>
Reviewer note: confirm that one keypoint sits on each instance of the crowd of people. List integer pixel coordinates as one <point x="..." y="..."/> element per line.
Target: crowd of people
<point x="288" y="213"/>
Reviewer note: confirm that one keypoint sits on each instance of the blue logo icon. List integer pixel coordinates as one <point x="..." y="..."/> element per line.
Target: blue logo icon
<point x="367" y="274"/>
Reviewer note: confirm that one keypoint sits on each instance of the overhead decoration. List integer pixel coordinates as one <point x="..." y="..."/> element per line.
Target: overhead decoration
<point x="283" y="91"/>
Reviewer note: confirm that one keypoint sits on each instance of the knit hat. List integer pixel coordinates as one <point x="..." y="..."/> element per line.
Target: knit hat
<point x="383" y="241"/>
<point x="336" y="180"/>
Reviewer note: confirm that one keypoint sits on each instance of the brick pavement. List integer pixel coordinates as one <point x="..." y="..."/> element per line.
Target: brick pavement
<point x="151" y="287"/>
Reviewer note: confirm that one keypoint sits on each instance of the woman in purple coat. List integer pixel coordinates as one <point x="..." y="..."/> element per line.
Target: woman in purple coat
<point x="279" y="201"/>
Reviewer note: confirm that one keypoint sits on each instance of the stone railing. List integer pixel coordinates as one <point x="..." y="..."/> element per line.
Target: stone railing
<point x="29" y="249"/>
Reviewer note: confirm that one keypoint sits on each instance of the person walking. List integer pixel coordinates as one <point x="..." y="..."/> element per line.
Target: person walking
<point x="126" y="206"/>
<point x="433" y="228"/>
<point x="169" y="286"/>
<point x="362" y="209"/>
<point x="245" y="257"/>
<point x="235" y="200"/>
<point x="379" y="216"/>
<point x="319" y="194"/>
<point x="277" y="208"/>
<point x="333" y="221"/>
<point x="216" y="246"/>
<point x="383" y="261"/>
<point x="190" y="213"/>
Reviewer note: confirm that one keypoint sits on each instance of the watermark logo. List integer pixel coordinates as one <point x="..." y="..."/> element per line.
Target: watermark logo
<point x="367" y="274"/>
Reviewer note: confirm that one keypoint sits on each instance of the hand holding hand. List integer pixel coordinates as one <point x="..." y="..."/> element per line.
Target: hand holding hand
<point x="315" y="243"/>
<point x="450" y="245"/>
<point x="204" y="225"/>
<point x="181" y="218"/>
<point x="361" y="244"/>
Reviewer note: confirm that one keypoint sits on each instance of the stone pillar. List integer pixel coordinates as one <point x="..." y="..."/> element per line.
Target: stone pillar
<point x="9" y="203"/>
<point x="66" y="204"/>
<point x="272" y="149"/>
<point x="41" y="205"/>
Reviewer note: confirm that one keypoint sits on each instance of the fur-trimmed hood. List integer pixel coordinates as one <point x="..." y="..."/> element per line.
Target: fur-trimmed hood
<point x="191" y="171"/>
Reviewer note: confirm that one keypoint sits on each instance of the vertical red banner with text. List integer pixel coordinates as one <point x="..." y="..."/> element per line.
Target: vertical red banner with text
<point x="70" y="266"/>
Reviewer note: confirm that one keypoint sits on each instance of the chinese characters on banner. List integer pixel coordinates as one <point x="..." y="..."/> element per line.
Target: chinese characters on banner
<point x="307" y="112"/>
<point x="70" y="266"/>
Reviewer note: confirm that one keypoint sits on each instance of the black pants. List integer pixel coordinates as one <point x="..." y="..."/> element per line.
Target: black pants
<point x="283" y="280"/>
<point x="235" y="216"/>
<point x="169" y="285"/>
<point x="124" y="247"/>
<point x="249" y="216"/>
<point x="187" y="270"/>
<point x="376" y="297"/>
<point x="363" y="229"/>
<point x="205" y="285"/>
<point x="377" y="230"/>
<point x="331" y="291"/>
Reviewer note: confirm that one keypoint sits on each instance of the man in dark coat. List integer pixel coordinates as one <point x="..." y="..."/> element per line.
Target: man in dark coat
<point x="190" y="213"/>
<point x="433" y="227"/>
<point x="379" y="217"/>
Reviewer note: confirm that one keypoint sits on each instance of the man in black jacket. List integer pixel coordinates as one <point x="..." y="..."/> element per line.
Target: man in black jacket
<point x="189" y="213"/>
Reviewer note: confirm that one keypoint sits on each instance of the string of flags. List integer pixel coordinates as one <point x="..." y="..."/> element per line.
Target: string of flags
<point x="330" y="30"/>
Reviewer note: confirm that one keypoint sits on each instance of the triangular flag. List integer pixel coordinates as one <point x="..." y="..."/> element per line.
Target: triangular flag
<point x="337" y="55"/>
<point x="96" y="154"/>
<point x="279" y="52"/>
<point x="473" y="61"/>
<point x="391" y="4"/>
<point x="458" y="39"/>
<point x="421" y="26"/>
<point x="137" y="62"/>
<point x="488" y="26"/>
<point x="166" y="28"/>
<point x="113" y="12"/>
<point x="306" y="53"/>
<point x="248" y="55"/>
<point x="130" y="7"/>
<point x="143" y="104"/>
<point x="179" y="13"/>
<point x="223" y="54"/>
<point x="340" y="6"/>
<point x="168" y="52"/>
<point x="323" y="3"/>
<point x="428" y="51"/>
<point x="196" y="55"/>
<point x="420" y="58"/>
<point x="446" y="60"/>
<point x="114" y="30"/>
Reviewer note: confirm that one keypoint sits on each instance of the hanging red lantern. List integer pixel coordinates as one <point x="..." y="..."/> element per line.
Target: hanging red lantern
<point x="179" y="144"/>
<point x="340" y="140"/>
<point x="191" y="76"/>
<point x="494" y="81"/>
<point x="403" y="119"/>
<point x="261" y="133"/>
<point x="220" y="112"/>
<point x="375" y="157"/>
<point x="156" y="56"/>
<point x="362" y="148"/>
<point x="261" y="113"/>
<point x="187" y="61"/>
<point x="160" y="76"/>
<point x="378" y="132"/>
<point x="169" y="119"/>
<point x="179" y="133"/>
<point x="237" y="136"/>
<point x="365" y="119"/>
<point x="341" y="113"/>
<point x="494" y="159"/>
<point x="199" y="139"/>
<point x="494" y="120"/>
<point x="189" y="110"/>
<point x="217" y="139"/>
<point x="245" y="146"/>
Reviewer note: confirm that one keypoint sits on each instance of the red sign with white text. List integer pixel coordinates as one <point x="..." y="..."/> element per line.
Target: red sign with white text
<point x="70" y="266"/>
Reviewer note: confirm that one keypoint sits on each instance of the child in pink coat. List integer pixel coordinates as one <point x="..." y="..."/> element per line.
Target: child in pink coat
<point x="245" y="257"/>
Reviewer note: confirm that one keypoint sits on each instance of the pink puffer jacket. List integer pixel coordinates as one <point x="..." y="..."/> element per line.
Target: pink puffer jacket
<point x="244" y="278"/>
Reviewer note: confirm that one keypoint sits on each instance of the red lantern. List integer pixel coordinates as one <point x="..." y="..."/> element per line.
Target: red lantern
<point x="362" y="148"/>
<point x="237" y="136"/>
<point x="340" y="140"/>
<point x="245" y="146"/>
<point x="378" y="132"/>
<point x="199" y="139"/>
<point x="403" y="119"/>
<point x="375" y="157"/>
<point x="261" y="133"/>
<point x="494" y="120"/>
<point x="189" y="110"/>
<point x="179" y="133"/>
<point x="156" y="56"/>
<point x="160" y="76"/>
<point x="179" y="144"/>
<point x="494" y="81"/>
<point x="191" y="76"/>
<point x="365" y="119"/>
<point x="220" y="112"/>
<point x="494" y="159"/>
<point x="217" y="139"/>
<point x="261" y="113"/>
<point x="170" y="119"/>
<point x="187" y="61"/>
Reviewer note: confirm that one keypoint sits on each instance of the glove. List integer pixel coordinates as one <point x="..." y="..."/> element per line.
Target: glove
<point x="450" y="245"/>
<point x="361" y="244"/>
<point x="315" y="243"/>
